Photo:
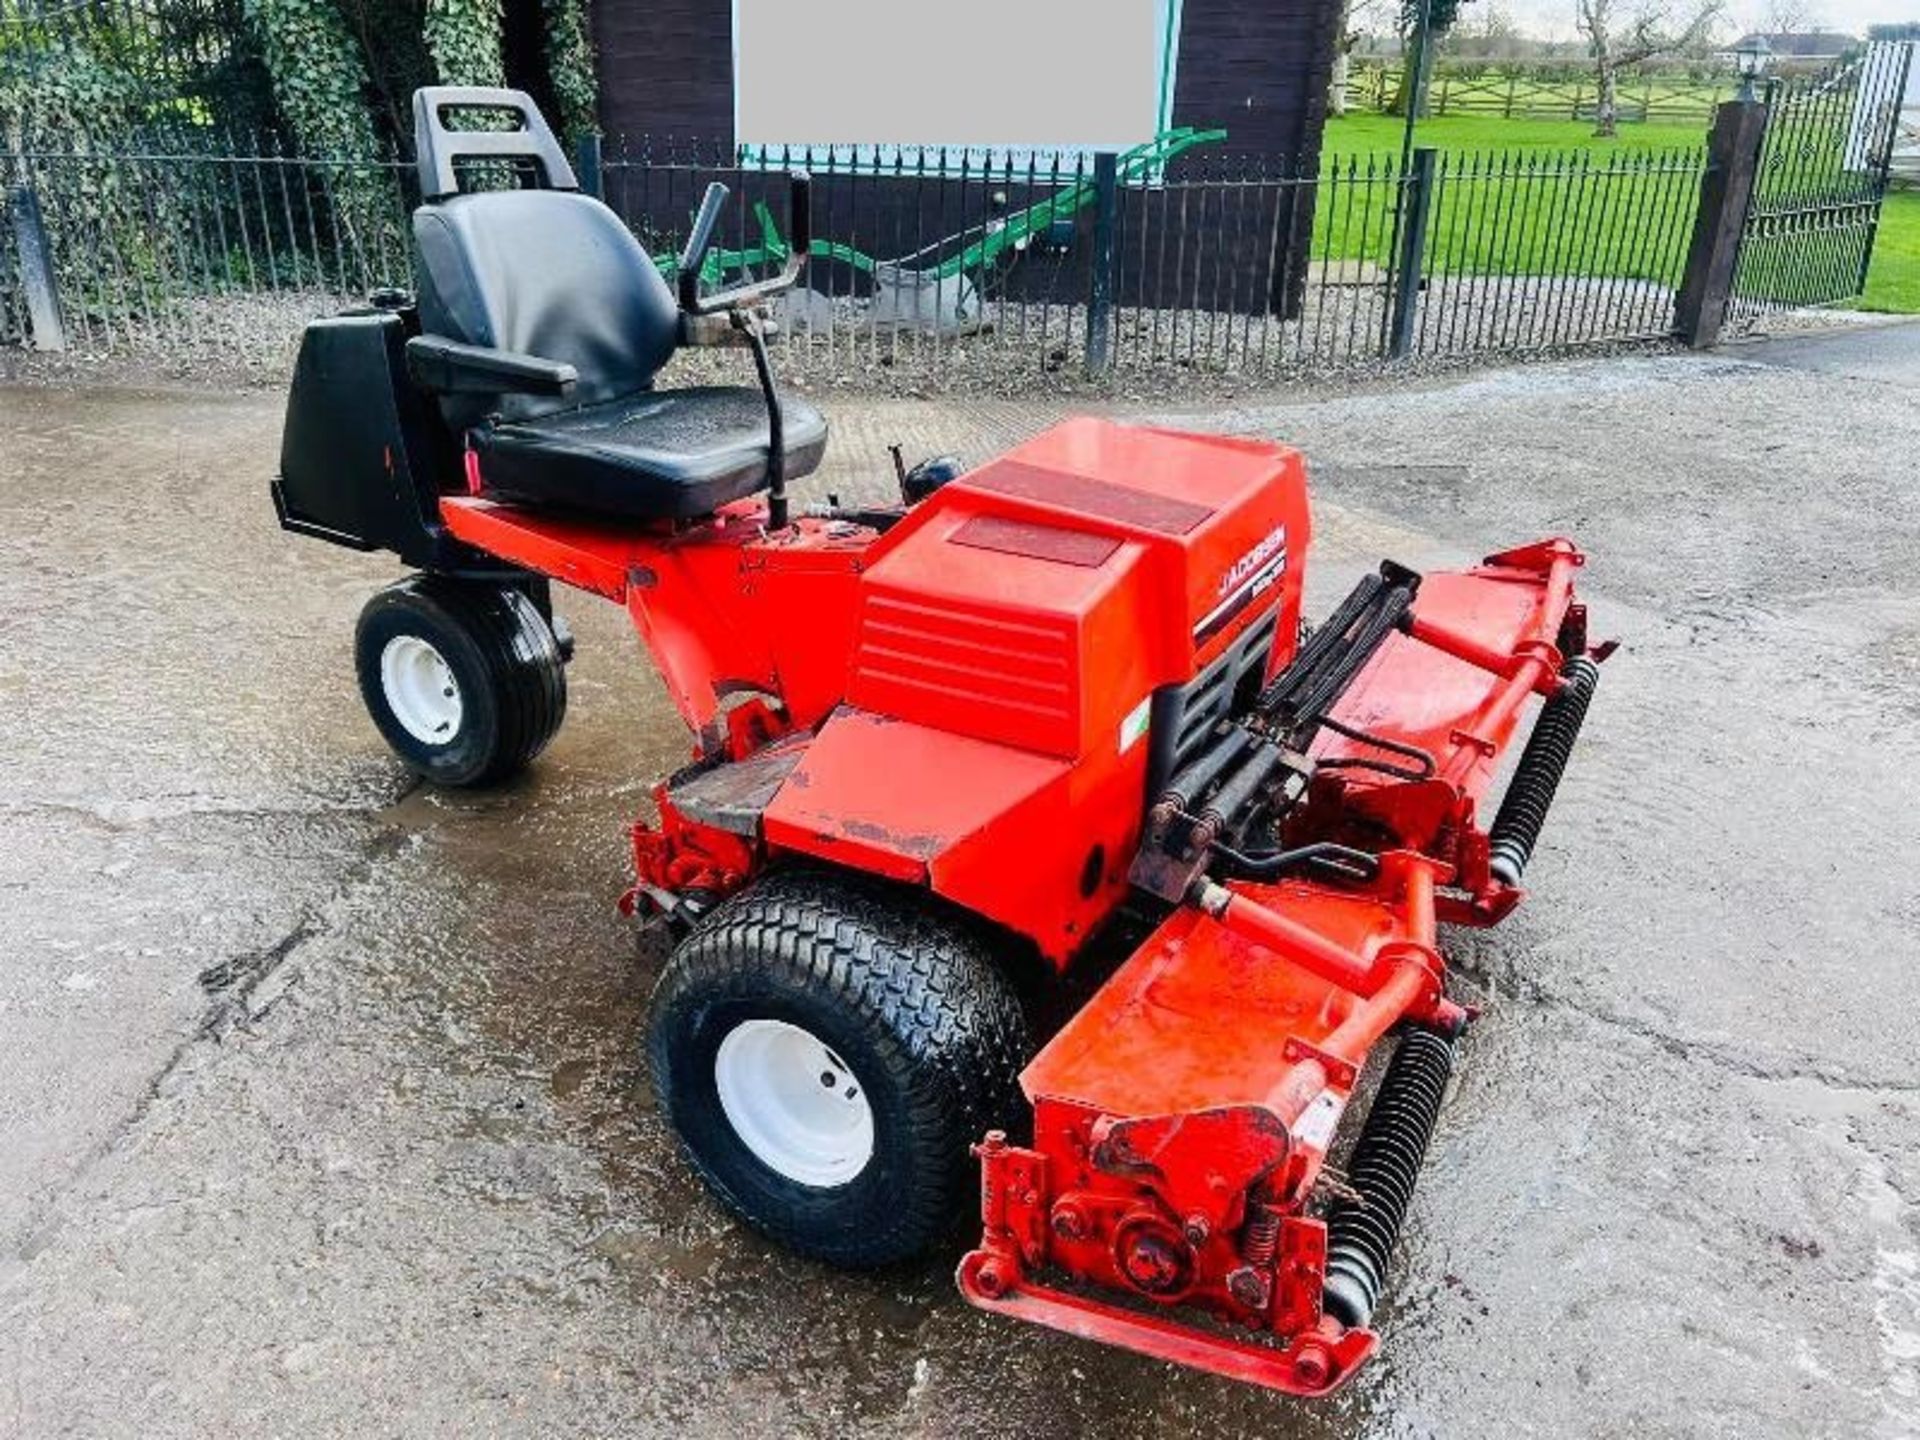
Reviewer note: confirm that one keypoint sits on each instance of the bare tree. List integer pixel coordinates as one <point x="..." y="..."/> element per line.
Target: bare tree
<point x="1791" y="17"/>
<point x="1619" y="35"/>
<point x="1356" y="18"/>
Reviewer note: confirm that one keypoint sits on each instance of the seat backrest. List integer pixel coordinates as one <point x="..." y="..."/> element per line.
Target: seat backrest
<point x="548" y="271"/>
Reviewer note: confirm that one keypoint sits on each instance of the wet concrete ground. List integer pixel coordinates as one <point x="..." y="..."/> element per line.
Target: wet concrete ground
<point x="321" y="1110"/>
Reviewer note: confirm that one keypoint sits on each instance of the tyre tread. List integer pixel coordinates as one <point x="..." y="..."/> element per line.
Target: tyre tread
<point x="525" y="674"/>
<point x="926" y="977"/>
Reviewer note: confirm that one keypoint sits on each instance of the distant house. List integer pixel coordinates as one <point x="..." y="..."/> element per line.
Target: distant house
<point x="1813" y="47"/>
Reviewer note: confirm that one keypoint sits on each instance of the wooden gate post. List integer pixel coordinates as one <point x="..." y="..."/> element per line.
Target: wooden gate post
<point x="1726" y="193"/>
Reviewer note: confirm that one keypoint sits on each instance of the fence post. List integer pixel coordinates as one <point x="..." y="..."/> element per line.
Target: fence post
<point x="36" y="270"/>
<point x="1726" y="191"/>
<point x="586" y="164"/>
<point x="1106" y="205"/>
<point x="1413" y="247"/>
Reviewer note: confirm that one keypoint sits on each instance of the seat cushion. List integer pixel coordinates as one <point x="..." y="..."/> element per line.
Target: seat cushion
<point x="545" y="273"/>
<point x="658" y="455"/>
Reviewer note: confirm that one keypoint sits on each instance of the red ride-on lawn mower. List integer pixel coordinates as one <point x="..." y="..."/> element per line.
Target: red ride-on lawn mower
<point x="942" y="748"/>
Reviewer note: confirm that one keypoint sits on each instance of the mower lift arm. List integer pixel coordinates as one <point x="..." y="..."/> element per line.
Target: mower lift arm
<point x="448" y="367"/>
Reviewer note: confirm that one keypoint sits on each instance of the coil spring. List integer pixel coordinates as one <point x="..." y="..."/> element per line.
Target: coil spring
<point x="1523" y="809"/>
<point x="1262" y="1238"/>
<point x="1385" y="1163"/>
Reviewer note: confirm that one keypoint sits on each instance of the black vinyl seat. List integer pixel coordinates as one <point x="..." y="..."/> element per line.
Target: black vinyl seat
<point x="660" y="454"/>
<point x="552" y="273"/>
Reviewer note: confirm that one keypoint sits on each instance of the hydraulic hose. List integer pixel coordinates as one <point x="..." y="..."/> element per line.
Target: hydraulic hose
<point x="1235" y="795"/>
<point x="1191" y="783"/>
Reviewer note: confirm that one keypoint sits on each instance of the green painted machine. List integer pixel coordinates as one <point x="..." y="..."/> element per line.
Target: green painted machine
<point x="940" y="286"/>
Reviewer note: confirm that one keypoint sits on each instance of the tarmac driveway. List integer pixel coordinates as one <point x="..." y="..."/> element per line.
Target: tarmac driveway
<point x="321" y="1110"/>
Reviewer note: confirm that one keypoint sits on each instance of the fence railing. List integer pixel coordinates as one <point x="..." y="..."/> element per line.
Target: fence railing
<point x="1517" y="95"/>
<point x="1533" y="252"/>
<point x="208" y="248"/>
<point x="1229" y="264"/>
<point x="217" y="252"/>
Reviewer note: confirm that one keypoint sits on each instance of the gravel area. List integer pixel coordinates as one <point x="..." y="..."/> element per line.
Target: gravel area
<point x="248" y="340"/>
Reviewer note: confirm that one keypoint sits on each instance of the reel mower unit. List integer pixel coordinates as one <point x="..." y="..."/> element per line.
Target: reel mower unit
<point x="945" y="751"/>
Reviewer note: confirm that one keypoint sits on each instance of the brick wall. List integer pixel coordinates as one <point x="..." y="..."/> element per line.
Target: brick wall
<point x="1257" y="67"/>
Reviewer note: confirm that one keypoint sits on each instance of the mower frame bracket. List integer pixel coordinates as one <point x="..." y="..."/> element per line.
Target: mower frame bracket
<point x="1341" y="1072"/>
<point x="1312" y="1366"/>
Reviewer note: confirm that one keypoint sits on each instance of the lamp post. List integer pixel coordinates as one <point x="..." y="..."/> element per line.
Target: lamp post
<point x="1750" y="59"/>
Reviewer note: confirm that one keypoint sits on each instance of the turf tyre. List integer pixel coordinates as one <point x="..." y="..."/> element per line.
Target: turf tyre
<point x="499" y="654"/>
<point x="906" y="992"/>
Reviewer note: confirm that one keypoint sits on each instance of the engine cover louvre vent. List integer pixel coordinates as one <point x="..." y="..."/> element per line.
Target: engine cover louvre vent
<point x="962" y="665"/>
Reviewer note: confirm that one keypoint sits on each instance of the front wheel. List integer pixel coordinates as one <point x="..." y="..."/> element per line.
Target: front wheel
<point x="827" y="1048"/>
<point x="465" y="680"/>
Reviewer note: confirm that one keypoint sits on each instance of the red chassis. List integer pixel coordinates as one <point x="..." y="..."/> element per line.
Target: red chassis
<point x="981" y="700"/>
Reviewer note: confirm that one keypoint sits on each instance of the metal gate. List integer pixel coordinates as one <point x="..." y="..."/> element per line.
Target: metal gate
<point x="1822" y="179"/>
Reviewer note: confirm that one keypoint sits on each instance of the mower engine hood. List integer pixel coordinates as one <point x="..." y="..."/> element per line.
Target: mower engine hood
<point x="1010" y="638"/>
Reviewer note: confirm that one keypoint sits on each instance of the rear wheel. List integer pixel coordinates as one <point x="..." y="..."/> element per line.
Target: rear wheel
<point x="464" y="679"/>
<point x="827" y="1048"/>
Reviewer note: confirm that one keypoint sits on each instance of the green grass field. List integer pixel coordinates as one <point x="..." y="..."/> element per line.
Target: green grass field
<point x="1627" y="213"/>
<point x="1518" y="197"/>
<point x="1893" y="285"/>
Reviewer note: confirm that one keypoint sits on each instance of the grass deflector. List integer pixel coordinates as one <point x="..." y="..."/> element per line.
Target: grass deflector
<point x="947" y="750"/>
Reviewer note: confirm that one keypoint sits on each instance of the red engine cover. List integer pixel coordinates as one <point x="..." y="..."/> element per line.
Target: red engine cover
<point x="1027" y="602"/>
<point x="1008" y="639"/>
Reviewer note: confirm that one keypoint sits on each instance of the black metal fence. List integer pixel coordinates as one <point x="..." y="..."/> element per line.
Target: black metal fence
<point x="216" y="250"/>
<point x="198" y="251"/>
<point x="1224" y="263"/>
<point x="1822" y="178"/>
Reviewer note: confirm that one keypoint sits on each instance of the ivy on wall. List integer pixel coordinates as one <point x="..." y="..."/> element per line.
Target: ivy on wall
<point x="318" y="77"/>
<point x="320" y="83"/>
<point x="570" y="66"/>
<point x="78" y="88"/>
<point x="340" y="72"/>
<point x="463" y="36"/>
<point x="328" y="80"/>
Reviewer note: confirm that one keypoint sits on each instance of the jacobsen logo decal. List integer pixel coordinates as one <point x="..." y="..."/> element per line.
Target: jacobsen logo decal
<point x="1245" y="581"/>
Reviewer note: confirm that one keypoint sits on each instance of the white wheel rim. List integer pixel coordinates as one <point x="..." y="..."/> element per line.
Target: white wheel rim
<point x="794" y="1103"/>
<point x="420" y="690"/>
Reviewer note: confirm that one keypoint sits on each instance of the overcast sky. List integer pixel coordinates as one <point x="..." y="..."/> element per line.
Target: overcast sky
<point x="1555" y="17"/>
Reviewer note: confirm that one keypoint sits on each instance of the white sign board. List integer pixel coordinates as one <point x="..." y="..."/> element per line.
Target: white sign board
<point x="1004" y="75"/>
